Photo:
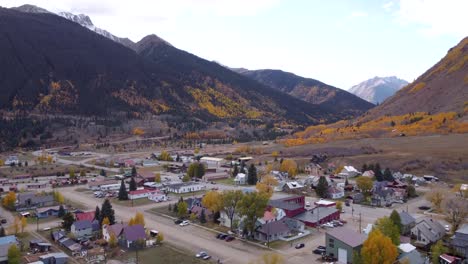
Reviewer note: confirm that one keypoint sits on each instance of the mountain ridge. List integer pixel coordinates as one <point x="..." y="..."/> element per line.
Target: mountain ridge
<point x="377" y="89"/>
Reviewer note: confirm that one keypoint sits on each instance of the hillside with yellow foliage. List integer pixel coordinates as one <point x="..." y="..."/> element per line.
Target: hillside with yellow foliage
<point x="388" y="126"/>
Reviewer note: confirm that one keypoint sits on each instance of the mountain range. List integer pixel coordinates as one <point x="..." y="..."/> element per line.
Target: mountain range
<point x="61" y="66"/>
<point x="377" y="89"/>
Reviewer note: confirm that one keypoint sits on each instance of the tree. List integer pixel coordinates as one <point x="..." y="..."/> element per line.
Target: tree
<point x="266" y="185"/>
<point x="193" y="217"/>
<point x="378" y="172"/>
<point x="436" y="250"/>
<point x="252" y="206"/>
<point x="378" y="249"/>
<point x="275" y="155"/>
<point x="108" y="211"/>
<point x="24" y="223"/>
<point x="157" y="177"/>
<point x="339" y="205"/>
<point x="97" y="213"/>
<point x="132" y="186"/>
<point x="235" y="171"/>
<point x="365" y="184"/>
<point x="2" y="231"/>
<point x="269" y="258"/>
<point x="196" y="170"/>
<point x="395" y="218"/>
<point x="71" y="172"/>
<point x="364" y="168"/>
<point x="346" y="182"/>
<point x="9" y="201"/>
<point x="61" y="211"/>
<point x="202" y="216"/>
<point x="182" y="209"/>
<point x="388" y="176"/>
<point x="82" y="173"/>
<point x="436" y="196"/>
<point x="411" y="191"/>
<point x="68" y="220"/>
<point x="164" y="156"/>
<point x="16" y="224"/>
<point x="252" y="175"/>
<point x="322" y="187"/>
<point x="106" y="221"/>
<point x="159" y="238"/>
<point x="455" y="210"/>
<point x="131" y="222"/>
<point x="186" y="178"/>
<point x="231" y="200"/>
<point x="123" y="194"/>
<point x="213" y="200"/>
<point x="459" y="191"/>
<point x="58" y="197"/>
<point x="388" y="229"/>
<point x="139" y="219"/>
<point x="289" y="166"/>
<point x="14" y="255"/>
<point x="102" y="173"/>
<point x="112" y="240"/>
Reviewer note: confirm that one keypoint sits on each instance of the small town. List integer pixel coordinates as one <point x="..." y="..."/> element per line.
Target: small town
<point x="97" y="207"/>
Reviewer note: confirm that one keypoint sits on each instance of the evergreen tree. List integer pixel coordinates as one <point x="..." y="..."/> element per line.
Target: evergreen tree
<point x="107" y="211"/>
<point x="242" y="167"/>
<point x="235" y="170"/>
<point x="395" y="217"/>
<point x="322" y="187"/>
<point x="2" y="231"/>
<point x="68" y="221"/>
<point x="97" y="214"/>
<point x="61" y="211"/>
<point x="388" y="175"/>
<point x="370" y="167"/>
<point x="134" y="171"/>
<point x="133" y="185"/>
<point x="123" y="194"/>
<point x="252" y="175"/>
<point x="202" y="216"/>
<point x="378" y="172"/>
<point x="346" y="182"/>
<point x="177" y="158"/>
<point x="364" y="168"/>
<point x="174" y="208"/>
<point x="102" y="173"/>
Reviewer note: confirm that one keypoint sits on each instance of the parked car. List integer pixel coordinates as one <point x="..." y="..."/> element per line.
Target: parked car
<point x="321" y="247"/>
<point x="201" y="254"/>
<point x="3" y="221"/>
<point x="206" y="257"/>
<point x="223" y="236"/>
<point x="307" y="204"/>
<point x="184" y="223"/>
<point x="178" y="221"/>
<point x="447" y="228"/>
<point x="229" y="238"/>
<point x="218" y="236"/>
<point x="319" y="251"/>
<point x="300" y="245"/>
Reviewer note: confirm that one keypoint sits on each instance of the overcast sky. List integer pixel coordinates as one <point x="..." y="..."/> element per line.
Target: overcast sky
<point x="339" y="42"/>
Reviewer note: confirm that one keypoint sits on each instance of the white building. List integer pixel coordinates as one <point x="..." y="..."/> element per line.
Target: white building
<point x="349" y="171"/>
<point x="11" y="160"/>
<point x="241" y="179"/>
<point x="185" y="187"/>
<point x="138" y="194"/>
<point x="157" y="197"/>
<point x="112" y="187"/>
<point x="212" y="162"/>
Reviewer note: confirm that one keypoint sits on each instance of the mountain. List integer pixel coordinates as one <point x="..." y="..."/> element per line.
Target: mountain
<point x="442" y="88"/>
<point x="55" y="66"/>
<point x="81" y="19"/>
<point x="309" y="90"/>
<point x="377" y="89"/>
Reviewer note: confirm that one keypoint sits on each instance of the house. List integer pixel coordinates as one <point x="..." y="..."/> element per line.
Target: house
<point x="115" y="229"/>
<point x="225" y="221"/>
<point x="131" y="235"/>
<point x="85" y="216"/>
<point x="335" y="192"/>
<point x="212" y="162"/>
<point x="82" y="228"/>
<point x="12" y="160"/>
<point x="318" y="216"/>
<point x="407" y="222"/>
<point x="369" y="173"/>
<point x="459" y="241"/>
<point x="240" y="179"/>
<point x="382" y="197"/>
<point x="314" y="169"/>
<point x="150" y="163"/>
<point x="447" y="259"/>
<point x="5" y="243"/>
<point x="57" y="235"/>
<point x="54" y="258"/>
<point x="157" y="196"/>
<point x="293" y="187"/>
<point x="96" y="185"/>
<point x="185" y="187"/>
<point x="48" y="211"/>
<point x="409" y="253"/>
<point x="293" y="224"/>
<point x="25" y="201"/>
<point x="342" y="243"/>
<point x="138" y="194"/>
<point x="213" y="176"/>
<point x="349" y="171"/>
<point x="313" y="181"/>
<point x="271" y="231"/>
<point x="69" y="244"/>
<point x="358" y="198"/>
<point x="40" y="245"/>
<point x="292" y="205"/>
<point x="197" y="210"/>
<point x="37" y="185"/>
<point x="427" y="231"/>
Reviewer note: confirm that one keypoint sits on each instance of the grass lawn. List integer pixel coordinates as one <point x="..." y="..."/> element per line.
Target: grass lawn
<point x="189" y="194"/>
<point x="165" y="254"/>
<point x="228" y="181"/>
<point x="137" y="202"/>
<point x="33" y="220"/>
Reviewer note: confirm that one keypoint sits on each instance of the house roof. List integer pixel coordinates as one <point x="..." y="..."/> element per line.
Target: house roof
<point x="348" y="236"/>
<point x="136" y="192"/>
<point x="431" y="229"/>
<point x="414" y="257"/>
<point x="463" y="229"/>
<point x="54" y="255"/>
<point x="198" y="209"/>
<point x="7" y="240"/>
<point x="267" y="216"/>
<point x="82" y="224"/>
<point x="406" y="247"/>
<point x="294" y="185"/>
<point x="286" y="203"/>
<point x="134" y="232"/>
<point x="85" y="216"/>
<point x="182" y="184"/>
<point x="35" y="198"/>
<point x="406" y="218"/>
<point x="314" y="215"/>
<point x="104" y="182"/>
<point x="116" y="229"/>
<point x="275" y="227"/>
<point x="448" y="258"/>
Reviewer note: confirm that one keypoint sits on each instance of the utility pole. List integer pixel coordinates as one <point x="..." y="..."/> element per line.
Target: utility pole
<point x="360" y="228"/>
<point x="37" y="223"/>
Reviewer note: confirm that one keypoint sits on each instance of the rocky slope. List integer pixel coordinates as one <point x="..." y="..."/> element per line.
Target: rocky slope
<point x="377" y="89"/>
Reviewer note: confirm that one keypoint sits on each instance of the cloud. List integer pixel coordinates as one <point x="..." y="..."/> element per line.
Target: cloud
<point x="435" y="17"/>
<point x="388" y="6"/>
<point x="359" y="14"/>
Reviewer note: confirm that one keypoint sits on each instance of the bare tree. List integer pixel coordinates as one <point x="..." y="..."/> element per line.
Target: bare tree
<point x="455" y="210"/>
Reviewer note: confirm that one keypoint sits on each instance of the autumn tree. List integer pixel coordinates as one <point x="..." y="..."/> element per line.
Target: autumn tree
<point x="436" y="250"/>
<point x="24" y="223"/>
<point x="339" y="205"/>
<point x="460" y="191"/>
<point x="388" y="229"/>
<point x="165" y="156"/>
<point x="159" y="238"/>
<point x="82" y="173"/>
<point x="322" y="187"/>
<point x="436" y="196"/>
<point x="196" y="170"/>
<point x="182" y="208"/>
<point x="137" y="131"/>
<point x="139" y="219"/>
<point x="112" y="240"/>
<point x="455" y="210"/>
<point x="395" y="218"/>
<point x="252" y="206"/>
<point x="14" y="255"/>
<point x="213" y="200"/>
<point x="9" y="201"/>
<point x="157" y="177"/>
<point x="269" y="258"/>
<point x="365" y="184"/>
<point x="193" y="217"/>
<point x="106" y="221"/>
<point x="231" y="200"/>
<point x="58" y="197"/>
<point x="289" y="166"/>
<point x="235" y="171"/>
<point x="275" y="155"/>
<point x="186" y="178"/>
<point x="71" y="173"/>
<point x="16" y="224"/>
<point x="378" y="249"/>
<point x="252" y="175"/>
<point x="267" y="185"/>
